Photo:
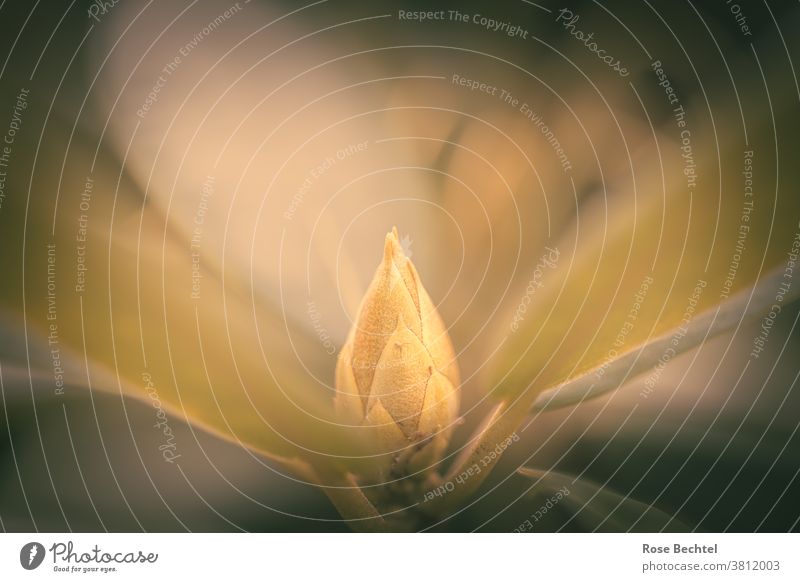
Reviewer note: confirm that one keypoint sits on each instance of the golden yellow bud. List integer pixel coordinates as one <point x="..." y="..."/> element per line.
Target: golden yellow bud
<point x="397" y="371"/>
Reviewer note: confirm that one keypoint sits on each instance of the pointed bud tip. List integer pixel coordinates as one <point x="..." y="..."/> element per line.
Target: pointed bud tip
<point x="392" y="251"/>
<point x="397" y="373"/>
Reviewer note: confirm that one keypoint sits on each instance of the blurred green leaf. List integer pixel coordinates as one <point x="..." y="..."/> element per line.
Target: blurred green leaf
<point x="562" y="501"/>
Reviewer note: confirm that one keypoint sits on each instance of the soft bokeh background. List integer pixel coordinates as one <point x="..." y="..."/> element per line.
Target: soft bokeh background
<point x="281" y="142"/>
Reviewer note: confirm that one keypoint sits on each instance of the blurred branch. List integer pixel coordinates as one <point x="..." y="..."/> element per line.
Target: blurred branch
<point x="591" y="506"/>
<point x="351" y="503"/>
<point x="744" y="306"/>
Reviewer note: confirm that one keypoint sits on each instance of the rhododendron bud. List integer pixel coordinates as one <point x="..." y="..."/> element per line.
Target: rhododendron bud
<point x="397" y="371"/>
